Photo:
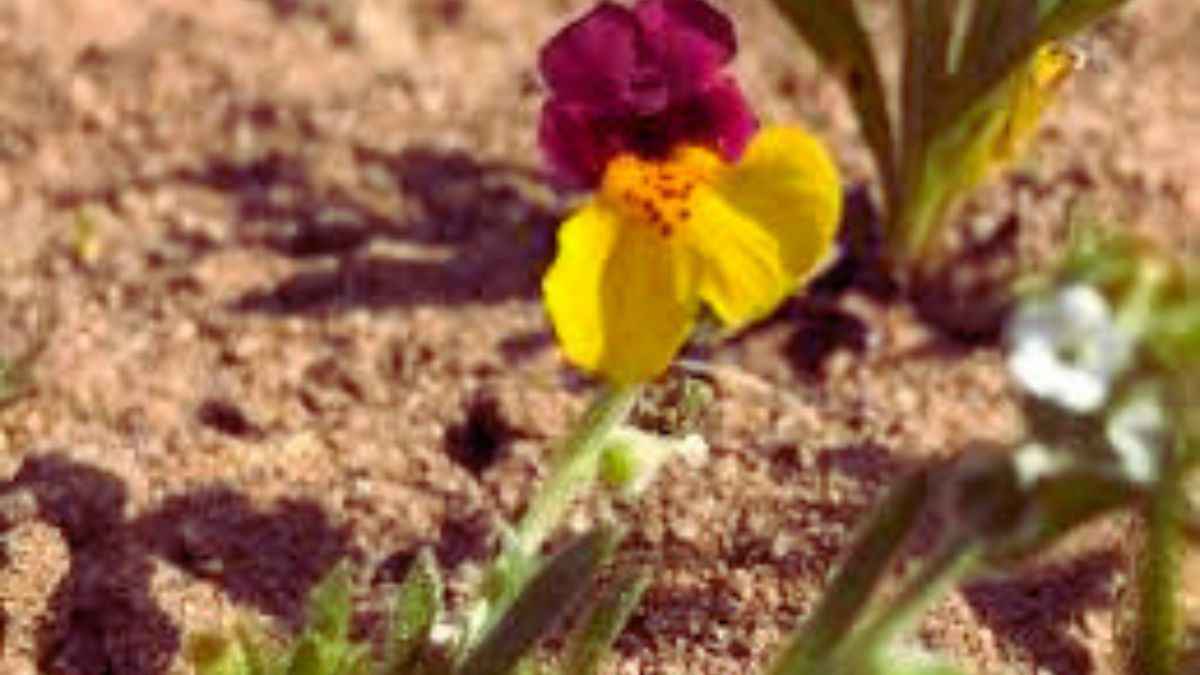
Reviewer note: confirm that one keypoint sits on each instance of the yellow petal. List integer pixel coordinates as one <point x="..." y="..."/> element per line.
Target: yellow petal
<point x="621" y="297"/>
<point x="765" y="226"/>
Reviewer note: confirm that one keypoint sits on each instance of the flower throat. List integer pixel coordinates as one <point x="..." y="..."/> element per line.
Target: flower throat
<point x="657" y="193"/>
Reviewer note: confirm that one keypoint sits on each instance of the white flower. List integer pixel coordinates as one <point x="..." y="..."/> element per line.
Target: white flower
<point x="1068" y="348"/>
<point x="1035" y="461"/>
<point x="445" y="634"/>
<point x="1137" y="431"/>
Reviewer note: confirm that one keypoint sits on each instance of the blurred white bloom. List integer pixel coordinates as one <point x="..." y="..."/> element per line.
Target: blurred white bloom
<point x="444" y="634"/>
<point x="1068" y="348"/>
<point x="1137" y="431"/>
<point x="1035" y="461"/>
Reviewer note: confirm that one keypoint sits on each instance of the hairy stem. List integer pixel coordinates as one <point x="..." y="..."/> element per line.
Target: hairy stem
<point x="1160" y="620"/>
<point x="573" y="471"/>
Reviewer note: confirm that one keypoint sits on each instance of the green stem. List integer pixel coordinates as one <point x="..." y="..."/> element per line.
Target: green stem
<point x="574" y="470"/>
<point x="953" y="563"/>
<point x="848" y="593"/>
<point x="1160" y="619"/>
<point x="928" y="193"/>
<point x="1138" y="306"/>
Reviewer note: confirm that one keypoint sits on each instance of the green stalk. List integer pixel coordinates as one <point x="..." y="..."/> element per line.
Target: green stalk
<point x="843" y="602"/>
<point x="1140" y="302"/>
<point x="953" y="563"/>
<point x="1159" y="631"/>
<point x="576" y="467"/>
<point x="574" y="470"/>
<point x="919" y="214"/>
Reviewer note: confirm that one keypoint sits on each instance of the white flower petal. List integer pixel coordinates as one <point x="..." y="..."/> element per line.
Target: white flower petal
<point x="1137" y="432"/>
<point x="1078" y="390"/>
<point x="1084" y="308"/>
<point x="1031" y="363"/>
<point x="1068" y="348"/>
<point x="1034" y="462"/>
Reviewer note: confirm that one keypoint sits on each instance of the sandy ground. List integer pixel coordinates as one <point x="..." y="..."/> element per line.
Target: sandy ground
<point x="282" y="260"/>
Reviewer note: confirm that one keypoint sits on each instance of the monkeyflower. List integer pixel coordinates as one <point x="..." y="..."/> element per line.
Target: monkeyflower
<point x="691" y="205"/>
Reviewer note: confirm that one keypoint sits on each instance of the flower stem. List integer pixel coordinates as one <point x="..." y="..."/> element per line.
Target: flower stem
<point x="849" y="592"/>
<point x="576" y="467"/>
<point x="574" y="470"/>
<point x="1137" y="307"/>
<point x="954" y="562"/>
<point x="1160" y="619"/>
<point x="914" y="223"/>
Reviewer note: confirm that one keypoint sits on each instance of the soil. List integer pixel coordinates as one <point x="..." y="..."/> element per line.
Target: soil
<point x="280" y="262"/>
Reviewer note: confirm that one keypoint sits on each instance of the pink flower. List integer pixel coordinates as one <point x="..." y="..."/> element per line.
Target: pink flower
<point x="643" y="81"/>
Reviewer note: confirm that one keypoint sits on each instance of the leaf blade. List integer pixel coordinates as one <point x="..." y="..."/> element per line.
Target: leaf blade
<point x="1068" y="17"/>
<point x="416" y="607"/>
<point x="851" y="588"/>
<point x="835" y="32"/>
<point x="605" y="623"/>
<point x="559" y="584"/>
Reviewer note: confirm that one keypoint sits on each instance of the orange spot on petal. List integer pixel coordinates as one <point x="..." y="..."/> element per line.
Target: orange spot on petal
<point x="655" y="193"/>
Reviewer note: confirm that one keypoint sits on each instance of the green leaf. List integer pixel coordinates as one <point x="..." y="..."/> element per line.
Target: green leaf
<point x="1003" y="34"/>
<point x="356" y="661"/>
<point x="604" y="624"/>
<point x="557" y="586"/>
<point x="330" y="605"/>
<point x="1060" y="504"/>
<point x="943" y="15"/>
<point x="915" y="87"/>
<point x="891" y="663"/>
<point x="984" y="16"/>
<point x="927" y="27"/>
<point x="417" y="606"/>
<point x="1067" y="17"/>
<point x="16" y="376"/>
<point x="835" y="32"/>
<point x="843" y="602"/>
<point x="574" y="470"/>
<point x="953" y="563"/>
<point x="316" y="655"/>
<point x="307" y="659"/>
<point x="1000" y="37"/>
<point x="1011" y="39"/>
<point x="1176" y="336"/>
<point x="528" y="666"/>
<point x="214" y="654"/>
<point x="263" y="656"/>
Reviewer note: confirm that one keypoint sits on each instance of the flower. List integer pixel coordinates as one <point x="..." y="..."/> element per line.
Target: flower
<point x="640" y="81"/>
<point x="660" y="237"/>
<point x="1034" y="462"/>
<point x="674" y="222"/>
<point x="1138" y="432"/>
<point x="1069" y="348"/>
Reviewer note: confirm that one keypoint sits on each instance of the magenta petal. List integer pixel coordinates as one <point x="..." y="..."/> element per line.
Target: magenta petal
<point x="729" y="121"/>
<point x="691" y="39"/>
<point x="572" y="145"/>
<point x="594" y="59"/>
<point x="641" y="81"/>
